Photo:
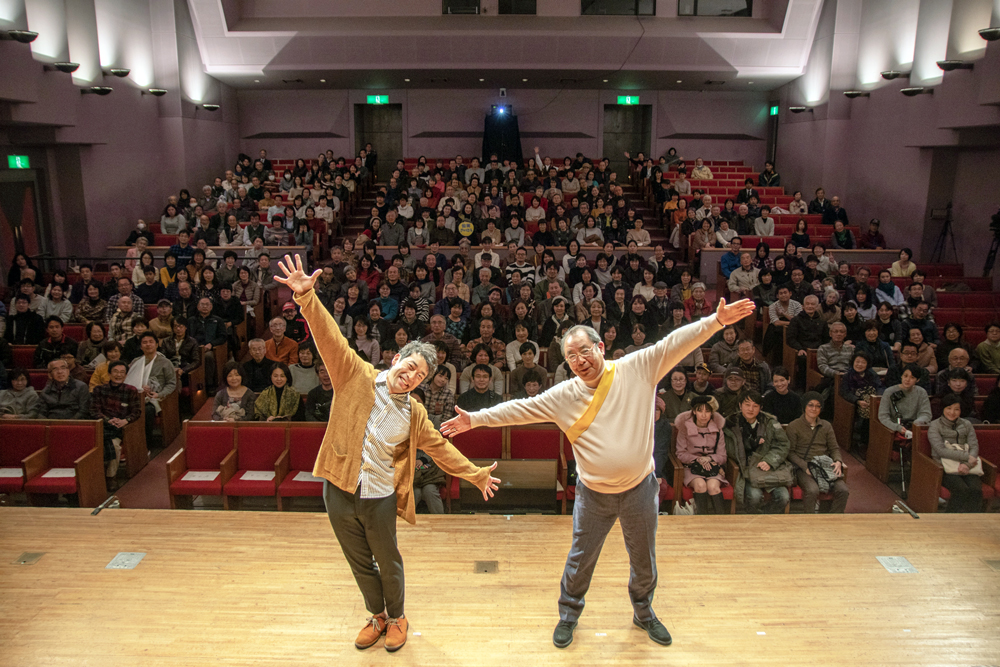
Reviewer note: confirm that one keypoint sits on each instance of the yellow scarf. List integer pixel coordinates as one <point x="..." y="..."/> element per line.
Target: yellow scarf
<point x="584" y="422"/>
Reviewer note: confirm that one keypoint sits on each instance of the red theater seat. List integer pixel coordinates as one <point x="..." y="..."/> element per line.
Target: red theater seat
<point x="18" y="441"/>
<point x="480" y="443"/>
<point x="257" y="452"/>
<point x="24" y="355"/>
<point x="926" y="473"/>
<point x="72" y="462"/>
<point x="298" y="461"/>
<point x="206" y="446"/>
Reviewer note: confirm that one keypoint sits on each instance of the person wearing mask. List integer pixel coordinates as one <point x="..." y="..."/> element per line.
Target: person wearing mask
<point x="955" y="447"/>
<point x="701" y="449"/>
<point x="813" y="450"/>
<point x="758" y="444"/>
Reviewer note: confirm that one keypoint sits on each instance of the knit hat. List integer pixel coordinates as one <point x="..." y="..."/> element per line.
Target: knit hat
<point x="811" y="396"/>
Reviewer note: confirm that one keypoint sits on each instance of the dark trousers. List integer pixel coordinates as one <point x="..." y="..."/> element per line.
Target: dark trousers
<point x="966" y="492"/>
<point x="366" y="530"/>
<point x="810" y="493"/>
<point x="593" y="516"/>
<point x="110" y="433"/>
<point x="150" y="424"/>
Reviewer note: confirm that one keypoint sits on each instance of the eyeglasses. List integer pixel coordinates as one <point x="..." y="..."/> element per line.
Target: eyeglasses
<point x="589" y="353"/>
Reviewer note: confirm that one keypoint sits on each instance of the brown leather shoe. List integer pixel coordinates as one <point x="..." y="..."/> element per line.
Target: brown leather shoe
<point x="395" y="635"/>
<point x="371" y="633"/>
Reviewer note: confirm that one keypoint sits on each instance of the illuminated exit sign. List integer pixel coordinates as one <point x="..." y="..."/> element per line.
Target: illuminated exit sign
<point x="378" y="99"/>
<point x="628" y="99"/>
<point x="774" y="110"/>
<point x="18" y="162"/>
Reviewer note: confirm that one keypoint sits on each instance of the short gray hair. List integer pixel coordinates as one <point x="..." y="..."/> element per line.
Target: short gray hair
<point x="589" y="332"/>
<point x="425" y="350"/>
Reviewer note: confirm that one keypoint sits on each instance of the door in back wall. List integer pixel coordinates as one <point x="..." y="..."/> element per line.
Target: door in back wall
<point x="382" y="126"/>
<point x="626" y="128"/>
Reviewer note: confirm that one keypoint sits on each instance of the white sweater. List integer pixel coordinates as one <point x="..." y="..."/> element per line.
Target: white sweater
<point x="616" y="452"/>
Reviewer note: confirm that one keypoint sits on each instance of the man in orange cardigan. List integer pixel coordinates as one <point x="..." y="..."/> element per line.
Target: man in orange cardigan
<point x="368" y="459"/>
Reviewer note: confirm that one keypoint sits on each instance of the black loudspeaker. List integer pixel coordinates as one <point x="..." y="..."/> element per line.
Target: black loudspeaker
<point x="502" y="136"/>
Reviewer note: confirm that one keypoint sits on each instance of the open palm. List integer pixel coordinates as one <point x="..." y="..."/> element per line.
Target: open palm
<point x="731" y="313"/>
<point x="296" y="278"/>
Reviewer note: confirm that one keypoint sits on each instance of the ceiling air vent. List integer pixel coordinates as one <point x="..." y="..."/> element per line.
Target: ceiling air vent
<point x="438" y="80"/>
<point x="710" y="82"/>
<point x="292" y="81"/>
<point x="567" y="81"/>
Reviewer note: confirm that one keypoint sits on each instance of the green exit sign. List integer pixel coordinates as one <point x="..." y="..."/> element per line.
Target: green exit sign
<point x="628" y="99"/>
<point x="378" y="99"/>
<point x="18" y="162"/>
<point x="774" y="110"/>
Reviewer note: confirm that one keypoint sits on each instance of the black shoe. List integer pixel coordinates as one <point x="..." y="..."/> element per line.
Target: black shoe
<point x="655" y="630"/>
<point x="563" y="635"/>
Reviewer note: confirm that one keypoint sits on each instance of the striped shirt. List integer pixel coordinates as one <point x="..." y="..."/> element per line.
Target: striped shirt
<point x="388" y="425"/>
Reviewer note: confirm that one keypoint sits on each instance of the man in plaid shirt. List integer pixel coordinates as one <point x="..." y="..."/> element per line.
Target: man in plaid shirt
<point x="440" y="400"/>
<point x="116" y="404"/>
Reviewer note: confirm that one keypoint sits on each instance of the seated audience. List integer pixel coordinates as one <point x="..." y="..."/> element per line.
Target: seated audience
<point x="282" y="349"/>
<point x="90" y="347"/>
<point x="182" y="350"/>
<point x="117" y="405"/>
<point x="813" y="450"/>
<point x="701" y="384"/>
<point x="257" y="369"/>
<point x="879" y="352"/>
<point x="367" y="347"/>
<point x="962" y="383"/>
<point x="21" y="400"/>
<point x="988" y="351"/>
<point x="953" y="339"/>
<point x="439" y="399"/>
<point x="428" y="482"/>
<point x="234" y="401"/>
<point x="905" y="404"/>
<point x="110" y="351"/>
<point x="781" y="401"/>
<point x="211" y="333"/>
<point x="677" y="398"/>
<point x="304" y="373"/>
<point x="755" y="440"/>
<point x="57" y="305"/>
<point x="531" y="384"/>
<point x="24" y="326"/>
<point x="91" y="307"/>
<point x="131" y="348"/>
<point x="728" y="397"/>
<point x="63" y="396"/>
<point x="279" y="401"/>
<point x="480" y="396"/>
<point x="55" y="344"/>
<point x="756" y="374"/>
<point x="724" y="353"/>
<point x="320" y="398"/>
<point x="701" y="448"/>
<point x="955" y="446"/>
<point x="991" y="406"/>
<point x="857" y="387"/>
<point x="903" y="267"/>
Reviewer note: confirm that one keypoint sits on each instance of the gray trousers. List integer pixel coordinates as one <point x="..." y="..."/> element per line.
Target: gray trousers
<point x="431" y="496"/>
<point x="366" y="530"/>
<point x="593" y="516"/>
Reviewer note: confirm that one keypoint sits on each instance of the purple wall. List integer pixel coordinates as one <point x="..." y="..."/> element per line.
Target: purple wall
<point x="710" y="120"/>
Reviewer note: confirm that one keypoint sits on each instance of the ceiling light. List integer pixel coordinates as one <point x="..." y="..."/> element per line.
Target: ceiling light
<point x="989" y="34"/>
<point x="952" y="65"/>
<point x="800" y="109"/>
<point x="851" y="94"/>
<point x="27" y="37"/>
<point x="156" y="92"/>
<point x="891" y="74"/>
<point x="96" y="90"/>
<point x="481" y="80"/>
<point x="322" y="80"/>
<point x="524" y="80"/>
<point x="749" y="83"/>
<point x="65" y="67"/>
<point x="120" y="72"/>
<point x="406" y="80"/>
<point x="605" y="81"/>
<point x="917" y="90"/>
<point x="256" y="80"/>
<point x="210" y="107"/>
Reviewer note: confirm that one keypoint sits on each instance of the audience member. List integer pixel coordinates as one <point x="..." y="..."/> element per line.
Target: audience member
<point x="813" y="450"/>
<point x="758" y="445"/>
<point x="117" y="405"/>
<point x="155" y="378"/>
<point x="24" y="326"/>
<point x="728" y="397"/>
<point x="319" y="400"/>
<point x="988" y="351"/>
<point x="234" y="402"/>
<point x="955" y="447"/>
<point x="905" y="404"/>
<point x="857" y="387"/>
<point x="439" y="398"/>
<point x="480" y="396"/>
<point x="701" y="449"/>
<point x="279" y="401"/>
<point x="55" y="344"/>
<point x="257" y="369"/>
<point x="677" y="398"/>
<point x="756" y="374"/>
<point x="63" y="396"/>
<point x="21" y="400"/>
<point x="304" y="373"/>
<point x="181" y="349"/>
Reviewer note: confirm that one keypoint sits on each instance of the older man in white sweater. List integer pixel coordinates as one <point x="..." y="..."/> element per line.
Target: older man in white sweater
<point x="606" y="412"/>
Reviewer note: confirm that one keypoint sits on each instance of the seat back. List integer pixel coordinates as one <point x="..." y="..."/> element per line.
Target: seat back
<point x="540" y="441"/>
<point x="206" y="445"/>
<point x="38" y="378"/>
<point x="989" y="442"/>
<point x="481" y="443"/>
<point x="24" y="355"/>
<point x="18" y="441"/>
<point x="258" y="447"/>
<point x="985" y="384"/>
<point x="303" y="447"/>
<point x="68" y="442"/>
<point x="920" y="442"/>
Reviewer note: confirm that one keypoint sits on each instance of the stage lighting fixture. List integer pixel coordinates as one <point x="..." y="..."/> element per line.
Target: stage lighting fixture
<point x="890" y="75"/>
<point x="96" y="90"/>
<point x="500" y="110"/>
<point x="989" y="34"/>
<point x="210" y="107"/>
<point x="120" y="72"/>
<point x="67" y="67"/>
<point x="952" y="65"/>
<point x="800" y="109"/>
<point x="917" y="90"/>
<point x="851" y="94"/>
<point x="23" y="36"/>
<point x="157" y="92"/>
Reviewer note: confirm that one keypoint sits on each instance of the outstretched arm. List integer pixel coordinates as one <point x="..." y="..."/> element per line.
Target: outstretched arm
<point x="340" y="360"/>
<point x="540" y="409"/>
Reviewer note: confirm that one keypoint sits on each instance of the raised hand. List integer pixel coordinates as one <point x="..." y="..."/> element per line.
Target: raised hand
<point x="734" y="312"/>
<point x="493" y="484"/>
<point x="296" y="279"/>
<point x="458" y="424"/>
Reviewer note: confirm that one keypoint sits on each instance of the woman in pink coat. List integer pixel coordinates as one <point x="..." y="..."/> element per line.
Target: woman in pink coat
<point x="701" y="447"/>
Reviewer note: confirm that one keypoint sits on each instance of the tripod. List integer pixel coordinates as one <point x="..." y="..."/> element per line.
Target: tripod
<point x="991" y="257"/>
<point x="945" y="235"/>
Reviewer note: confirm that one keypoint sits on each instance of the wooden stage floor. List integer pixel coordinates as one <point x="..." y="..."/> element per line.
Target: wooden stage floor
<point x="249" y="588"/>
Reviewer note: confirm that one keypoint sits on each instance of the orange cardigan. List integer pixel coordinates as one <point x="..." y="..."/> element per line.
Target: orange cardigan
<point x="339" y="458"/>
